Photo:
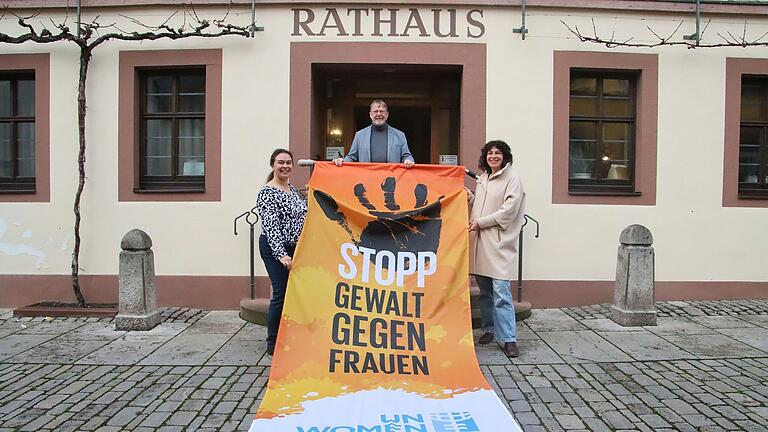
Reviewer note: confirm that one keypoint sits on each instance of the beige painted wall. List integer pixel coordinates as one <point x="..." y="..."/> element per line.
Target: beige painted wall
<point x="696" y="238"/>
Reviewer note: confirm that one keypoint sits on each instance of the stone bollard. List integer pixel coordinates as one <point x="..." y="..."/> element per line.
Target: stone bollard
<point x="138" y="304"/>
<point x="634" y="297"/>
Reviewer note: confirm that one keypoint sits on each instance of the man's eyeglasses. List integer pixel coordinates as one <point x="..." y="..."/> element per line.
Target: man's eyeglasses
<point x="378" y="111"/>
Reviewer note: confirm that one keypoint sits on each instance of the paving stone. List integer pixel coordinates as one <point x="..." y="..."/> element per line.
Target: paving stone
<point x="527" y="418"/>
<point x="616" y="420"/>
<point x="217" y="322"/>
<point x="654" y="421"/>
<point x="721" y="322"/>
<point x="536" y="352"/>
<point x="225" y="407"/>
<point x="715" y="345"/>
<point x="569" y="422"/>
<point x="18" y="343"/>
<point x="155" y="419"/>
<point x="645" y="346"/>
<point x="181" y="418"/>
<point x="559" y="408"/>
<point x="680" y="407"/>
<point x="124" y="416"/>
<point x="519" y="406"/>
<point x="58" y="350"/>
<point x="549" y="394"/>
<point x="552" y="320"/>
<point x="185" y="349"/>
<point x="128" y="350"/>
<point x="582" y="347"/>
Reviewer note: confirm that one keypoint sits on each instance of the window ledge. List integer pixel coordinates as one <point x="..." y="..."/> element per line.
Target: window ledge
<point x="168" y="191"/>
<point x="17" y="191"/>
<point x="763" y="196"/>
<point x="604" y="193"/>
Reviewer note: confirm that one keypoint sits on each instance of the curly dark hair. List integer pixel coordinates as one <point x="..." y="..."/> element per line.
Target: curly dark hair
<point x="503" y="147"/>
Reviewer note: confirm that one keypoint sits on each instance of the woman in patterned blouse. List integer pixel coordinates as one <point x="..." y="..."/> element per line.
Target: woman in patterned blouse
<point x="282" y="210"/>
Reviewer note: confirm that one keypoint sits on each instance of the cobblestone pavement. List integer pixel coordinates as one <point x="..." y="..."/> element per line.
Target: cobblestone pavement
<point x="703" y="368"/>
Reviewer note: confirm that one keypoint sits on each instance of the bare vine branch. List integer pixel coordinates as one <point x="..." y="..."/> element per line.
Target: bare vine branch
<point x="728" y="41"/>
<point x="92" y="34"/>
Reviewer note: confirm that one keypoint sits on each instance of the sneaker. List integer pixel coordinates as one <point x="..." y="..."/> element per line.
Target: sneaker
<point x="485" y="339"/>
<point x="510" y="349"/>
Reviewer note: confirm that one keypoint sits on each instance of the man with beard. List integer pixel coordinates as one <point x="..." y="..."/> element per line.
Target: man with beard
<point x="378" y="142"/>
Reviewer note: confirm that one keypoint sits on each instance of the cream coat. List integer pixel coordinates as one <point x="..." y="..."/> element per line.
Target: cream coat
<point x="498" y="206"/>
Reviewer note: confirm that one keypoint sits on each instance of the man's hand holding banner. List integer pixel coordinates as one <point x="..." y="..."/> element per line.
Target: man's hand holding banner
<point x="375" y="333"/>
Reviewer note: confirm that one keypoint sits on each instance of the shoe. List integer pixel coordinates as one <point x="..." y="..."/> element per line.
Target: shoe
<point x="510" y="349"/>
<point x="485" y="339"/>
<point x="271" y="350"/>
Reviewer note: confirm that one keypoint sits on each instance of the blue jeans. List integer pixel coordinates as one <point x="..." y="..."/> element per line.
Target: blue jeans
<point x="278" y="275"/>
<point x="497" y="312"/>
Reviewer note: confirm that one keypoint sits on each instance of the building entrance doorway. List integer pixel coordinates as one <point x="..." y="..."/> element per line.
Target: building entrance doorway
<point x="423" y="102"/>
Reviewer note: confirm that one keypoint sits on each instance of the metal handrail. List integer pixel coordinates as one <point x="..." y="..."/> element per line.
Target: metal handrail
<point x="251" y="214"/>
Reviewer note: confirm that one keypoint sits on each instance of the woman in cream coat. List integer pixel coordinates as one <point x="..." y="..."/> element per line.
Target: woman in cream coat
<point x="497" y="215"/>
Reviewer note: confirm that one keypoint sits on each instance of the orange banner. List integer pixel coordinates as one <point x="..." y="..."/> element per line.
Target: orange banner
<point x="376" y="322"/>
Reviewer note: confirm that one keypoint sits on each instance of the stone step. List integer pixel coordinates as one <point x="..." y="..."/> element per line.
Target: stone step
<point x="254" y="310"/>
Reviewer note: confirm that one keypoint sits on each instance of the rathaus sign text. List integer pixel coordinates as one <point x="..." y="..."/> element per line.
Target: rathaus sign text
<point x="390" y="22"/>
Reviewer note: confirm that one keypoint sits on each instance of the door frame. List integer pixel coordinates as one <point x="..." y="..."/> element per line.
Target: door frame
<point x="432" y="80"/>
<point x="303" y="124"/>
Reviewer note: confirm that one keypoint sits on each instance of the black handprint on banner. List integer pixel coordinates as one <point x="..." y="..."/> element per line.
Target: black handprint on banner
<point x="416" y="230"/>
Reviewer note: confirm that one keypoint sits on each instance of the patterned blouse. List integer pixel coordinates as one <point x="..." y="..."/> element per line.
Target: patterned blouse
<point x="282" y="217"/>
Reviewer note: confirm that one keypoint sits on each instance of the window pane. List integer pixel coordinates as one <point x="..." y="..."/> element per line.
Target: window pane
<point x="192" y="147"/>
<point x="614" y="153"/>
<point x="616" y="132"/>
<point x="749" y="155"/>
<point x="159" y="150"/>
<point x="617" y="107"/>
<point x="26" y="145"/>
<point x="583" y="138"/>
<point x="334" y="129"/>
<point x="159" y="94"/>
<point x="5" y="98"/>
<point x="581" y="165"/>
<point x="584" y="87"/>
<point x="583" y="106"/>
<point x="580" y="130"/>
<point x="25" y="97"/>
<point x="750" y="136"/>
<point x="616" y="146"/>
<point x="192" y="93"/>
<point x="5" y="150"/>
<point x="616" y="87"/>
<point x="752" y="101"/>
<point x="192" y="83"/>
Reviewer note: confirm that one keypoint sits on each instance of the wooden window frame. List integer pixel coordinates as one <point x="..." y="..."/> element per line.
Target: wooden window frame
<point x="735" y="70"/>
<point x="16" y="184"/>
<point x="174" y="182"/>
<point x="596" y="185"/>
<point x="129" y="133"/>
<point x="38" y="67"/>
<point x="757" y="190"/>
<point x="646" y="107"/>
